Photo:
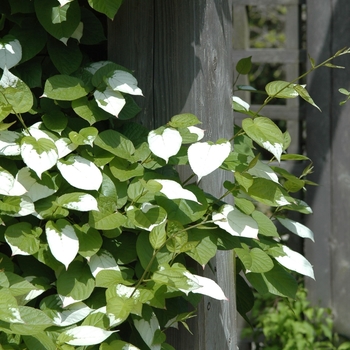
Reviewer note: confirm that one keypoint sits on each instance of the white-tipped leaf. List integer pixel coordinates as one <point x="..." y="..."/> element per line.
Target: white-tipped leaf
<point x="164" y="143"/>
<point x="147" y="329"/>
<point x="10" y="143"/>
<point x="235" y="222"/>
<point x="85" y="335"/>
<point x="297" y="228"/>
<point x="10" y="52"/>
<point x="110" y="101"/>
<point x="173" y="190"/>
<point x="78" y="201"/>
<point x="207" y="287"/>
<point x="204" y="158"/>
<point x="103" y="260"/>
<point x="39" y="155"/>
<point x="296" y="262"/>
<point x="63" y="241"/>
<point x="80" y="173"/>
<point x="124" y="82"/>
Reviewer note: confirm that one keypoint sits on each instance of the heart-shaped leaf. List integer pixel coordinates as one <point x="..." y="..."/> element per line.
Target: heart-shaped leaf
<point x="110" y="101"/>
<point x="164" y="142"/>
<point x="124" y="82"/>
<point x="63" y="241"/>
<point x="39" y="155"/>
<point x="204" y="157"/>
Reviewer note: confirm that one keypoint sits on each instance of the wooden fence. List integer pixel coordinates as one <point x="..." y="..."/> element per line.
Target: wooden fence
<point x="180" y="52"/>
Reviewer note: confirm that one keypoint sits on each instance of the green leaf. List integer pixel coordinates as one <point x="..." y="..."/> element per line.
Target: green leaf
<point x="261" y="262"/>
<point x="93" y="32"/>
<point x="59" y="21"/>
<point x="108" y="7"/>
<point x="9" y="311"/>
<point x="35" y="321"/>
<point x="64" y="88"/>
<point x="29" y="28"/>
<point x="75" y="284"/>
<point x="265" y="133"/>
<point x="124" y="170"/>
<point x="23" y="238"/>
<point x="39" y="155"/>
<point x="281" y="89"/>
<point x="147" y="216"/>
<point x="183" y="120"/>
<point x="269" y="192"/>
<point x="90" y="240"/>
<point x="115" y="143"/>
<point x="276" y="281"/>
<point x="106" y="220"/>
<point x="89" y="110"/>
<point x="65" y="57"/>
<point x="39" y="341"/>
<point x="303" y="93"/>
<point x="244" y="297"/>
<point x="14" y="92"/>
<point x="266" y="226"/>
<point x="157" y="236"/>
<point x="244" y="65"/>
<point x="16" y="206"/>
<point x="55" y="121"/>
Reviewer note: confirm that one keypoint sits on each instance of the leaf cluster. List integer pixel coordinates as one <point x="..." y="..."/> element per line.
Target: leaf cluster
<point x="97" y="227"/>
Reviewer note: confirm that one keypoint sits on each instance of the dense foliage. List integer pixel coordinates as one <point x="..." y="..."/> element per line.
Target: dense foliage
<point x="97" y="227"/>
<point x="282" y="324"/>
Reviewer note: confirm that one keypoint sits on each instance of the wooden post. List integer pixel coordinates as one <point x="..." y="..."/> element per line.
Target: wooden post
<point x="181" y="52"/>
<point x="328" y="146"/>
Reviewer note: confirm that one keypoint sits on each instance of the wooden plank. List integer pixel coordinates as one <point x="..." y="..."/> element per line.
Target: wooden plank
<point x="271" y="55"/>
<point x="268" y="2"/>
<point x="186" y="49"/>
<point x="340" y="172"/>
<point x="318" y="144"/>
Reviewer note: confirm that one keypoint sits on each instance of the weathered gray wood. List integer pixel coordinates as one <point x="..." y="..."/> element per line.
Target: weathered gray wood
<point x="181" y="52"/>
<point x="272" y="55"/>
<point x="328" y="146"/>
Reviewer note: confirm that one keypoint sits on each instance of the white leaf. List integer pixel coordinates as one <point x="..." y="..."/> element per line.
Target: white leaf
<point x="26" y="207"/>
<point x="103" y="260"/>
<point x="9" y="186"/>
<point x="197" y="131"/>
<point x="235" y="222"/>
<point x="62" y="240"/>
<point x="66" y="301"/>
<point x="64" y="146"/>
<point x="39" y="155"/>
<point x="87" y="335"/>
<point x="110" y="101"/>
<point x="9" y="143"/>
<point x="276" y="149"/>
<point x="35" y="190"/>
<point x="80" y="173"/>
<point x="64" y="2"/>
<point x="295" y="262"/>
<point x="10" y="52"/>
<point x="173" y="190"/>
<point x="207" y="287"/>
<point x="78" y="201"/>
<point x="205" y="158"/>
<point x="165" y="144"/>
<point x="124" y="82"/>
<point x="71" y="315"/>
<point x="297" y="228"/>
<point x="242" y="105"/>
<point x="262" y="170"/>
<point x="147" y="329"/>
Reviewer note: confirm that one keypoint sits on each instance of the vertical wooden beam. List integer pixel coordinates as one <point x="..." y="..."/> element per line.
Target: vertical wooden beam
<point x="328" y="147"/>
<point x="182" y="54"/>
